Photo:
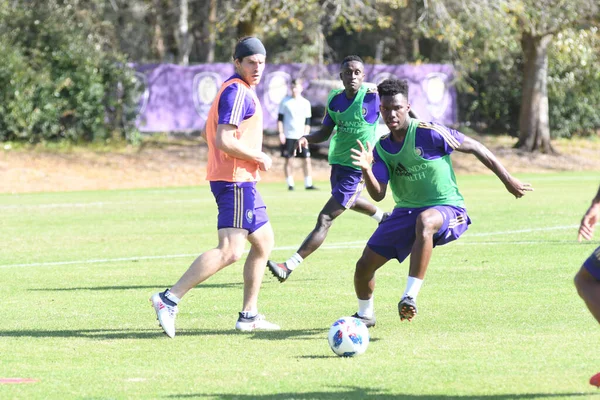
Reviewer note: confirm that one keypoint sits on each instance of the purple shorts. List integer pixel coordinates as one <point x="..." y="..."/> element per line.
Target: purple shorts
<point x="592" y="264"/>
<point x="346" y="184"/>
<point x="239" y="205"/>
<point x="395" y="236"/>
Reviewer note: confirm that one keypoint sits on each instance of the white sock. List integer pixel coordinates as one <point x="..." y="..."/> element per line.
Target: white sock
<point x="294" y="261"/>
<point x="172" y="297"/>
<point x="366" y="308"/>
<point x="378" y="216"/>
<point x="307" y="181"/>
<point x="413" y="286"/>
<point x="290" y="180"/>
<point x="249" y="314"/>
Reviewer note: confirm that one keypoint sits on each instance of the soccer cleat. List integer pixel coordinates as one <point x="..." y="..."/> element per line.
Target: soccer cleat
<point x="290" y="188"/>
<point x="165" y="314"/>
<point x="369" y="322"/>
<point x="310" y="188"/>
<point x="407" y="308"/>
<point x="385" y="216"/>
<point x="258" y="322"/>
<point x="595" y="380"/>
<point x="279" y="270"/>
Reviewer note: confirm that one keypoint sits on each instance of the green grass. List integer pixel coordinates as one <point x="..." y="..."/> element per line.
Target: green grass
<point x="498" y="319"/>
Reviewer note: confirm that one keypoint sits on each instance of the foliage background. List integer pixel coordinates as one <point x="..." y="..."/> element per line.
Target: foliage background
<point x="64" y="76"/>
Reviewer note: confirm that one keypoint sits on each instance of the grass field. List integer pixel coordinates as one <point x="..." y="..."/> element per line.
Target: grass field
<point x="499" y="317"/>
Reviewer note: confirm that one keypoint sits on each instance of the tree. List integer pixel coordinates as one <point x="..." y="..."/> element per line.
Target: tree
<point x="531" y="23"/>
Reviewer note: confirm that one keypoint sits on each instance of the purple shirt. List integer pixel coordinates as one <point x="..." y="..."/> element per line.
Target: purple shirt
<point x="341" y="103"/>
<point x="235" y="103"/>
<point x="434" y="141"/>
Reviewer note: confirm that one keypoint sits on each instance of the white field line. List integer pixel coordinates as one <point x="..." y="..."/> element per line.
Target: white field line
<point x="345" y="245"/>
<point x="96" y="204"/>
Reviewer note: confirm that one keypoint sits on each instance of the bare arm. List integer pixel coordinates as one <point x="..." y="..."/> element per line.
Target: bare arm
<point x="590" y="218"/>
<point x="321" y="135"/>
<point x="307" y="128"/>
<point x="281" y="132"/>
<point x="364" y="159"/>
<point x="317" y="137"/>
<point x="512" y="184"/>
<point x="228" y="143"/>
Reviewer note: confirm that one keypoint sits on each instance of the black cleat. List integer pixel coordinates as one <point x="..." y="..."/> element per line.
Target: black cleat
<point x="369" y="322"/>
<point x="407" y="308"/>
<point x="290" y="188"/>
<point x="279" y="271"/>
<point x="310" y="188"/>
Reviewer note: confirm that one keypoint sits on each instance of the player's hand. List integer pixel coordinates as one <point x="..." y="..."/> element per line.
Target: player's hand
<point x="517" y="188"/>
<point x="301" y="143"/>
<point x="264" y="161"/>
<point x="282" y="138"/>
<point x="588" y="222"/>
<point x="362" y="157"/>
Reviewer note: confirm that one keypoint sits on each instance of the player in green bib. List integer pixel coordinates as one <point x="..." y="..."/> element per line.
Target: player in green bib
<point x="414" y="160"/>
<point x="354" y="111"/>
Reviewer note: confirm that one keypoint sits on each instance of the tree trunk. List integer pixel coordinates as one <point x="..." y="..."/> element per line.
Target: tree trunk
<point x="158" y="42"/>
<point x="534" y="127"/>
<point x="212" y="31"/>
<point x="184" y="33"/>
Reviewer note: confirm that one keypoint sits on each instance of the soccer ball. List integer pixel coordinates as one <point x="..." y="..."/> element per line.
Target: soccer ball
<point x="348" y="337"/>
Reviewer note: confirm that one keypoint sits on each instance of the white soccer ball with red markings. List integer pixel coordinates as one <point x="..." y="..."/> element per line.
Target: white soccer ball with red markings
<point x="348" y="337"/>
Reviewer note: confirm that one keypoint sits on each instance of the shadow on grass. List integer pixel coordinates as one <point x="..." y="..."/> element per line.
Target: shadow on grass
<point x="159" y="287"/>
<point x="129" y="287"/>
<point x="376" y="394"/>
<point x="111" y="334"/>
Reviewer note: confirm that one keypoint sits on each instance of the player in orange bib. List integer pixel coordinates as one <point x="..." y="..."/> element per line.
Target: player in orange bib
<point x="234" y="132"/>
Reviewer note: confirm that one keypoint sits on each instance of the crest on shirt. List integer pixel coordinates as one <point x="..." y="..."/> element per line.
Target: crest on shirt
<point x="419" y="151"/>
<point x="364" y="111"/>
<point x="249" y="216"/>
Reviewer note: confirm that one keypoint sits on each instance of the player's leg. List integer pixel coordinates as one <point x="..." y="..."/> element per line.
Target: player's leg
<point x="350" y="185"/>
<point x="344" y="191"/>
<point x="307" y="168"/>
<point x="364" y="284"/>
<point x="229" y="250"/>
<point x="234" y="202"/>
<point x="427" y="224"/>
<point x="587" y="282"/>
<point x="288" y="154"/>
<point x="261" y="242"/>
<point x="312" y="242"/>
<point x="433" y="227"/>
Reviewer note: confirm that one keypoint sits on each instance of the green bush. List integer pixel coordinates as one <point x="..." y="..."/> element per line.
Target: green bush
<point x="574" y="83"/>
<point x="493" y="96"/>
<point x="59" y="75"/>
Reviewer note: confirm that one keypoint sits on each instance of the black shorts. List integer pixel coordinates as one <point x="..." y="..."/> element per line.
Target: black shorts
<point x="287" y="149"/>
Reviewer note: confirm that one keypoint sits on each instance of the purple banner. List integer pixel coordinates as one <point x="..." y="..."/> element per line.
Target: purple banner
<point x="174" y="98"/>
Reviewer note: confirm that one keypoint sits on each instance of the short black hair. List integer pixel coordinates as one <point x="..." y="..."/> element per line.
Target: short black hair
<point x="296" y="81"/>
<point x="392" y="87"/>
<point x="348" y="59"/>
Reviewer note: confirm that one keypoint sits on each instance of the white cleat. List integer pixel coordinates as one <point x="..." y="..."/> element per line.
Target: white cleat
<point x="257" y="322"/>
<point x="165" y="314"/>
